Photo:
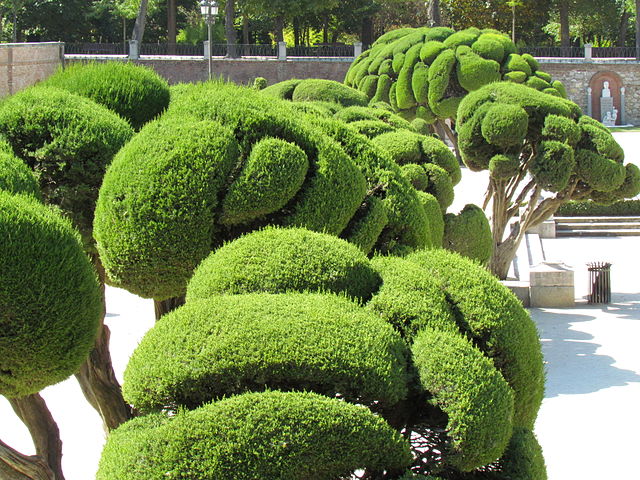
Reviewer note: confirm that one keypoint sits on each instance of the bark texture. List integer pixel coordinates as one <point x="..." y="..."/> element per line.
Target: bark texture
<point x="16" y="466"/>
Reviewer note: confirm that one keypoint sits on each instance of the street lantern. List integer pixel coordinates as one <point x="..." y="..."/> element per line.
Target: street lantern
<point x="209" y="10"/>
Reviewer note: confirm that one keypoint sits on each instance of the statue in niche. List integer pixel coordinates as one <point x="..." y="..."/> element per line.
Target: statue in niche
<point x="606" y="92"/>
<point x="608" y="112"/>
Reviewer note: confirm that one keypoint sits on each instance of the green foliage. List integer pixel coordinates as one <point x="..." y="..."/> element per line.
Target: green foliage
<point x="553" y="165"/>
<point x="505" y="125"/>
<point x="534" y="66"/>
<point x="162" y="202"/>
<point x="354" y="114"/>
<point x="231" y="344"/>
<point x="402" y="146"/>
<point x="469" y="234"/>
<point x="420" y="83"/>
<point x="537" y="83"/>
<point x="328" y="91"/>
<point x="515" y="77"/>
<point x="494" y="319"/>
<point x="598" y="171"/>
<point x="561" y="129"/>
<point x="273" y="173"/>
<point x="523" y="458"/>
<point x="382" y="89"/>
<point x="136" y="93"/>
<point x="430" y="51"/>
<point x="416" y="175"/>
<point x="15" y="175"/>
<point x="68" y="141"/>
<point x="434" y="215"/>
<point x="409" y="299"/>
<point x="275" y="435"/>
<point x="50" y="302"/>
<point x="488" y="47"/>
<point x="468" y="388"/>
<point x="438" y="153"/>
<point x="503" y="167"/>
<point x="283" y="90"/>
<point x="592" y="209"/>
<point x="440" y="185"/>
<point x="439" y="82"/>
<point x="473" y="71"/>
<point x="367" y="227"/>
<point x="277" y="260"/>
<point x="371" y="128"/>
<point x="464" y="37"/>
<point x="259" y="83"/>
<point x="515" y="63"/>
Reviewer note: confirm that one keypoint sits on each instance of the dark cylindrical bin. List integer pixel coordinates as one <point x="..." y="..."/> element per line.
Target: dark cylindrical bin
<point x="599" y="282"/>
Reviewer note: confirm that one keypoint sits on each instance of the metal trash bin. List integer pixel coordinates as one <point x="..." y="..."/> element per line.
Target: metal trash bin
<point x="599" y="282"/>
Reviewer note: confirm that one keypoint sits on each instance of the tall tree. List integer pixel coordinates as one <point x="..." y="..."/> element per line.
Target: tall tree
<point x="434" y="13"/>
<point x="229" y="28"/>
<point x="141" y="20"/>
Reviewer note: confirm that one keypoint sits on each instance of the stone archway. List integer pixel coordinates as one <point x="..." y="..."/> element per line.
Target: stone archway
<point x="596" y="84"/>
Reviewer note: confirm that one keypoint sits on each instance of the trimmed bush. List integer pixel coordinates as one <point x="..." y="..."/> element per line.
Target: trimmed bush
<point x="277" y="260"/>
<point x="504" y="167"/>
<point x="408" y="299"/>
<point x="15" y="175"/>
<point x="284" y="436"/>
<point x="354" y="114"/>
<point x="473" y="71"/>
<point x="434" y="214"/>
<point x="469" y="234"/>
<point x="416" y="175"/>
<point x="439" y="154"/>
<point x="231" y="344"/>
<point x="496" y="321"/>
<point x="283" y="90"/>
<point x="259" y="83"/>
<point x="505" y="125"/>
<point x="440" y="185"/>
<point x="162" y="206"/>
<point x="371" y="128"/>
<point x="68" y="141"/>
<point x="602" y="173"/>
<point x="402" y="145"/>
<point x="328" y="91"/>
<point x="515" y="63"/>
<point x="473" y="394"/>
<point x="134" y="92"/>
<point x="367" y="225"/>
<point x="50" y="302"/>
<point x="561" y="129"/>
<point x="553" y="165"/>
<point x="591" y="209"/>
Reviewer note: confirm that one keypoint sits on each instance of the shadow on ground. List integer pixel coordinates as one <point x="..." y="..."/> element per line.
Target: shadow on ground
<point x="572" y="363"/>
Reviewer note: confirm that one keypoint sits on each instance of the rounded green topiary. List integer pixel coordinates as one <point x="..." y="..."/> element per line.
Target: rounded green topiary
<point x="469" y="234"/>
<point x="468" y="388"/>
<point x="438" y="153"/>
<point x="327" y="91"/>
<point x="50" y="302"/>
<point x="169" y="197"/>
<point x="504" y="167"/>
<point x="495" y="319"/>
<point x="408" y="299"/>
<point x="277" y="260"/>
<point x="15" y="175"/>
<point x="561" y="129"/>
<point x="68" y="141"/>
<point x="354" y="114"/>
<point x="600" y="172"/>
<point x="272" y="175"/>
<point x="367" y="225"/>
<point x="515" y="63"/>
<point x="553" y="165"/>
<point x="440" y="185"/>
<point x="416" y="175"/>
<point x="505" y="125"/>
<point x="473" y="71"/>
<point x="275" y="435"/>
<point x="371" y="128"/>
<point x="134" y="92"/>
<point x="231" y="344"/>
<point x="259" y="83"/>
<point x="402" y="145"/>
<point x="283" y="90"/>
<point x="436" y="219"/>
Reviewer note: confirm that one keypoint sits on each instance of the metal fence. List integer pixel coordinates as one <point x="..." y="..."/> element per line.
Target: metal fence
<point x="177" y="49"/>
<point x="613" y="52"/>
<point x="96" y="48"/>
<point x="321" y="51"/>
<point x="554" y="52"/>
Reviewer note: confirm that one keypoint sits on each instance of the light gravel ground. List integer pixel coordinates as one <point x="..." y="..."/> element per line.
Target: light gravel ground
<point x="589" y="422"/>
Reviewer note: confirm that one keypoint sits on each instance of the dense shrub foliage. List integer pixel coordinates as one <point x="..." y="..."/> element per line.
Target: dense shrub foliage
<point x="592" y="209"/>
<point x="231" y="344"/>
<point x="469" y="234"/>
<point x="15" y="176"/>
<point x="274" y="435"/>
<point x="425" y="72"/>
<point x="50" y="302"/>
<point x="434" y="343"/>
<point x="134" y="92"/>
<point x="68" y="141"/>
<point x="317" y="90"/>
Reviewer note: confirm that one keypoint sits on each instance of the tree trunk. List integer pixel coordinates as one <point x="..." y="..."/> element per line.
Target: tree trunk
<point x="565" y="41"/>
<point x="97" y="378"/>
<point x="245" y="29"/>
<point x="297" y="36"/>
<point x="513" y="23"/>
<point x="162" y="307"/>
<point x="366" y="35"/>
<point x="229" y="28"/>
<point x="16" y="466"/>
<point x="624" y="23"/>
<point x="141" y="21"/>
<point x="171" y="27"/>
<point x="34" y="413"/>
<point x="279" y="27"/>
<point x="434" y="13"/>
<point x="325" y="29"/>
<point x="503" y="255"/>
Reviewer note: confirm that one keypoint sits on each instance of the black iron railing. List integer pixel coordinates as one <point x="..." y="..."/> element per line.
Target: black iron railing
<point x="613" y="52"/>
<point x="96" y="48"/>
<point x="172" y="49"/>
<point x="320" y="50"/>
<point x="554" y="52"/>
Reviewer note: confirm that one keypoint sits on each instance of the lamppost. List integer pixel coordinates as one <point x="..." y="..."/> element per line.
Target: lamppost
<point x="209" y="10"/>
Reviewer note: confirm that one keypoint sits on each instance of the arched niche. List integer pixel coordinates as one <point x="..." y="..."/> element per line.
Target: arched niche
<point x="597" y="84"/>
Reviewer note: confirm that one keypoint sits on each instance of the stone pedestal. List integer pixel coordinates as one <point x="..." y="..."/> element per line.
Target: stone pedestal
<point x="551" y="285"/>
<point x="546" y="229"/>
<point x="606" y="107"/>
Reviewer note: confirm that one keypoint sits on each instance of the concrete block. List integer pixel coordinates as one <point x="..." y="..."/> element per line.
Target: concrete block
<point x="546" y="229"/>
<point x="551" y="274"/>
<point x="519" y="289"/>
<point x="552" y="297"/>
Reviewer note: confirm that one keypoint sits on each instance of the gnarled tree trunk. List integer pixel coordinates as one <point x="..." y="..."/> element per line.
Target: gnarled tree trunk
<point x="16" y="466"/>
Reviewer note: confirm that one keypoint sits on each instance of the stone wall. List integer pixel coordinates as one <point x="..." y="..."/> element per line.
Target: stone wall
<point x="23" y="64"/>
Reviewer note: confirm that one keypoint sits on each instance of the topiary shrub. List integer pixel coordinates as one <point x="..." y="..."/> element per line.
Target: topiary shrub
<point x="259" y="83"/>
<point x="50" y="302"/>
<point x="589" y="208"/>
<point x="317" y="90"/>
<point x="434" y="68"/>
<point x="15" y="175"/>
<point x="473" y="394"/>
<point x="183" y="187"/>
<point x="495" y="319"/>
<point x="283" y="90"/>
<point x="270" y="435"/>
<point x="134" y="92"/>
<point x="435" y="217"/>
<point x="469" y="234"/>
<point x="68" y="141"/>
<point x="231" y="344"/>
<point x="440" y="185"/>
<point x="269" y="261"/>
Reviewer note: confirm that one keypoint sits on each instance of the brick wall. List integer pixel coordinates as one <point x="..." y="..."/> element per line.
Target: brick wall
<point x="23" y="64"/>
